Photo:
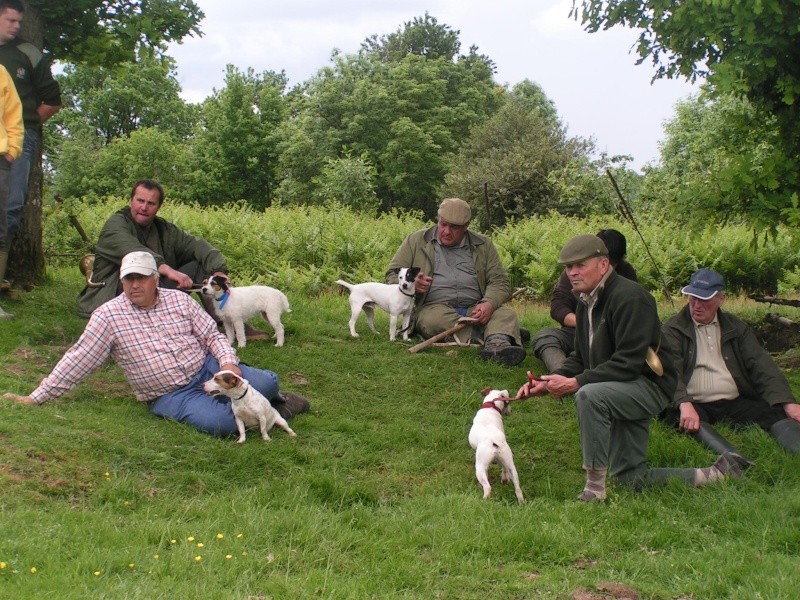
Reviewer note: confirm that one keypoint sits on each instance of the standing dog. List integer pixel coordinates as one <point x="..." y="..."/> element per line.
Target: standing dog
<point x="235" y="305"/>
<point x="397" y="300"/>
<point x="487" y="437"/>
<point x="250" y="407"/>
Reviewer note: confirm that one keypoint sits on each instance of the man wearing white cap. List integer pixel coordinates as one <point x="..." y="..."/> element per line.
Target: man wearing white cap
<point x="167" y="346"/>
<point x="461" y="276"/>
<point x="725" y="375"/>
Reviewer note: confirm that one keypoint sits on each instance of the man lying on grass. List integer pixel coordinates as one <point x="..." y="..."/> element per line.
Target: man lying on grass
<point x="618" y="388"/>
<point x="167" y="346"/>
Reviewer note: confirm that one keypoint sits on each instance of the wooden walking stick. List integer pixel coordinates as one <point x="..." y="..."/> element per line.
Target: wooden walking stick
<point x="462" y="322"/>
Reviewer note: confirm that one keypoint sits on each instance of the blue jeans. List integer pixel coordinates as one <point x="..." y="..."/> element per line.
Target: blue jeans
<point x="18" y="182"/>
<point x="192" y="406"/>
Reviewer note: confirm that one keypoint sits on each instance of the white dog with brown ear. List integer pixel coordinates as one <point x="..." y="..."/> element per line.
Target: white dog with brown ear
<point x="235" y="305"/>
<point x="488" y="438"/>
<point x="250" y="407"/>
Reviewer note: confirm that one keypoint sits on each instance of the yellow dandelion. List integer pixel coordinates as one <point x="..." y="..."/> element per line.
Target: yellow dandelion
<point x="131" y="565"/>
<point x="2" y="565"/>
<point x="198" y="558"/>
<point x="106" y="474"/>
<point x="126" y="503"/>
<point x="96" y="573"/>
<point x="228" y="556"/>
<point x="155" y="556"/>
<point x="33" y="570"/>
<point x="190" y="538"/>
<point x="239" y="535"/>
<point x="173" y="541"/>
<point x="220" y="536"/>
<point x="200" y="545"/>
<point x="244" y="553"/>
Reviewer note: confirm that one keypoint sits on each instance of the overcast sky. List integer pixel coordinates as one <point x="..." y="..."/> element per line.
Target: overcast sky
<point x="598" y="89"/>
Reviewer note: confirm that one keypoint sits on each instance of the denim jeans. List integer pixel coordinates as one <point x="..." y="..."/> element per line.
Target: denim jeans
<point x="192" y="406"/>
<point x="18" y="182"/>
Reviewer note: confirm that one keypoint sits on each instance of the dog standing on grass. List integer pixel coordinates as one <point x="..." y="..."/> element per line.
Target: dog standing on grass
<point x="397" y="300"/>
<point x="250" y="407"/>
<point x="235" y="305"/>
<point x="487" y="437"/>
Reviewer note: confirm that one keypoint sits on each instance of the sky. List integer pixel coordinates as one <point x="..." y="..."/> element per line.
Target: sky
<point x="593" y="79"/>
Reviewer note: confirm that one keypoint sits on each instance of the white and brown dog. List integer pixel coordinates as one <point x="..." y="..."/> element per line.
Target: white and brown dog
<point x="397" y="300"/>
<point x="235" y="305"/>
<point x="487" y="437"/>
<point x="250" y="407"/>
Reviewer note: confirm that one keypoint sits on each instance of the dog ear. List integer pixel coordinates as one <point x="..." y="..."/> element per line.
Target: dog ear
<point x="413" y="272"/>
<point x="397" y="270"/>
<point x="485" y="392"/>
<point x="223" y="285"/>
<point x="230" y="378"/>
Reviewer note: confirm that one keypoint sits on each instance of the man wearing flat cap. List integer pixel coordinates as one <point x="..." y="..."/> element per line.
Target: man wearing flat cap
<point x="618" y="389"/>
<point x="724" y="375"/>
<point x="461" y="276"/>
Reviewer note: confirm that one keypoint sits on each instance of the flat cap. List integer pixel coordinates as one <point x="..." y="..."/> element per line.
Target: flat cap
<point x="580" y="248"/>
<point x="455" y="211"/>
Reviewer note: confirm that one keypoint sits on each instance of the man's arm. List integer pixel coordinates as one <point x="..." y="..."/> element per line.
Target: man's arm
<point x="45" y="111"/>
<point x="498" y="286"/>
<point x="563" y="302"/>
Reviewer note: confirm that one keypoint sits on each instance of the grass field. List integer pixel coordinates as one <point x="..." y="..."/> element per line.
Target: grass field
<point x="376" y="498"/>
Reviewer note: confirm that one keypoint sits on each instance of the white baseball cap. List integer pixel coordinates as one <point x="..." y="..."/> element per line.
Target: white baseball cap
<point x="141" y="263"/>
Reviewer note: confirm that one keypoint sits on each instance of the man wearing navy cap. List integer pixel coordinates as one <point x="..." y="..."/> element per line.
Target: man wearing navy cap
<point x="724" y="373"/>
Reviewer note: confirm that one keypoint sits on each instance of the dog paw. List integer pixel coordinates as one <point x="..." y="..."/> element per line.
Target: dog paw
<point x="240" y="440"/>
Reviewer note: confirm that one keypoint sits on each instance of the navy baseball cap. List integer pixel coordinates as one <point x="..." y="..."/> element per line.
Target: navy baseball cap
<point x="705" y="284"/>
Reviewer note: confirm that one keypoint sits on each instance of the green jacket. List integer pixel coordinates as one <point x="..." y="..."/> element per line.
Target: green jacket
<point x="625" y="320"/>
<point x="417" y="251"/>
<point x="168" y="244"/>
<point x="756" y="375"/>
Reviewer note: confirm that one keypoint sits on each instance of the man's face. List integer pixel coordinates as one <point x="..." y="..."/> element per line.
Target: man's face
<point x="450" y="235"/>
<point x="140" y="289"/>
<point x="144" y="205"/>
<point x="586" y="274"/>
<point x="10" y="22"/>
<point x="704" y="311"/>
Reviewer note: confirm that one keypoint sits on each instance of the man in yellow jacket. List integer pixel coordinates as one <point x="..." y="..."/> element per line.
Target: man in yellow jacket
<point x="11" y="134"/>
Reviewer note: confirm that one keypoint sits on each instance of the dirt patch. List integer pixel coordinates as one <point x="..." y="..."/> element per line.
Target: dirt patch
<point x="777" y="334"/>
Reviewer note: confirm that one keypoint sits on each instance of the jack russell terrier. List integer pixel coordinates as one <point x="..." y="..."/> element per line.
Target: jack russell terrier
<point x="487" y="437"/>
<point x="397" y="300"/>
<point x="235" y="305"/>
<point x="250" y="407"/>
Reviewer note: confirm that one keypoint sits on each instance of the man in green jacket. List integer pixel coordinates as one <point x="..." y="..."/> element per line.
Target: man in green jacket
<point x="724" y="375"/>
<point x="461" y="276"/>
<point x="183" y="260"/>
<point x="618" y="386"/>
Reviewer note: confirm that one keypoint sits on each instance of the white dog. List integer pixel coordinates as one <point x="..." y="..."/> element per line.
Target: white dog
<point x="397" y="300"/>
<point x="235" y="305"/>
<point x="487" y="437"/>
<point x="250" y="407"/>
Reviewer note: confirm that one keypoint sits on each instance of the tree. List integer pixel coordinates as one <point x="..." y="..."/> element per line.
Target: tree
<point x="722" y="159"/>
<point x="746" y="49"/>
<point x="519" y="153"/>
<point x="235" y="150"/>
<point x="100" y="32"/>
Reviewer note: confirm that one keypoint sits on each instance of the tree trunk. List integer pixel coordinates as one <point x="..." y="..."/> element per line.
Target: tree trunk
<point x="26" y="256"/>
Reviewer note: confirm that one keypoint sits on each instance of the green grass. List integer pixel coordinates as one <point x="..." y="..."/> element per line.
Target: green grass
<point x="376" y="498"/>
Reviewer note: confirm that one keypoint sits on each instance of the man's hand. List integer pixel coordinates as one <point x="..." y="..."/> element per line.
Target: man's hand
<point x="560" y="386"/>
<point x="233" y="368"/>
<point x="183" y="281"/>
<point x="19" y="399"/>
<point x="422" y="283"/>
<point x="482" y="313"/>
<point x="533" y="387"/>
<point x="792" y="410"/>
<point x="690" y="420"/>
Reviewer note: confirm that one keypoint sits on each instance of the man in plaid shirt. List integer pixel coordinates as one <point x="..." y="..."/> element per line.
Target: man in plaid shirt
<point x="165" y="344"/>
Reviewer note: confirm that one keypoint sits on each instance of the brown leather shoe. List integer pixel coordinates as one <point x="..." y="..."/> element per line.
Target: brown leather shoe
<point x="289" y="404"/>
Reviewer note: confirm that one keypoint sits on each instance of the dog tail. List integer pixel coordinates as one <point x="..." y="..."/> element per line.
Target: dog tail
<point x="343" y="283"/>
<point x="285" y="303"/>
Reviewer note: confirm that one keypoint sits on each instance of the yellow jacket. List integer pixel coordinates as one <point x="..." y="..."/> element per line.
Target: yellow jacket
<point x="11" y="128"/>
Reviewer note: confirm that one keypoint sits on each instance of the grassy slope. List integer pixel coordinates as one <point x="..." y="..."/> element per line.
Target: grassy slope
<point x="375" y="498"/>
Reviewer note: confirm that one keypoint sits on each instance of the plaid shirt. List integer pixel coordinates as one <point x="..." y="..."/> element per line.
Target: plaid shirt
<point x="159" y="349"/>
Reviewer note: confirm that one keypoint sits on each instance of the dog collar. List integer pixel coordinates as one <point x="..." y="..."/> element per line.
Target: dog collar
<point x="225" y="295"/>
<point x="408" y="295"/>
<point x="244" y="393"/>
<point x="491" y="404"/>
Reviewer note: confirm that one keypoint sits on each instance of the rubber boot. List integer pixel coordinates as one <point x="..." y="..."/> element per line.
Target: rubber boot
<point x="3" y="263"/>
<point x="553" y="358"/>
<point x="710" y="438"/>
<point x="787" y="434"/>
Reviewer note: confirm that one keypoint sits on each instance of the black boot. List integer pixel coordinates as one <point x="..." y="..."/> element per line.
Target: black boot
<point x="710" y="438"/>
<point x="787" y="434"/>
